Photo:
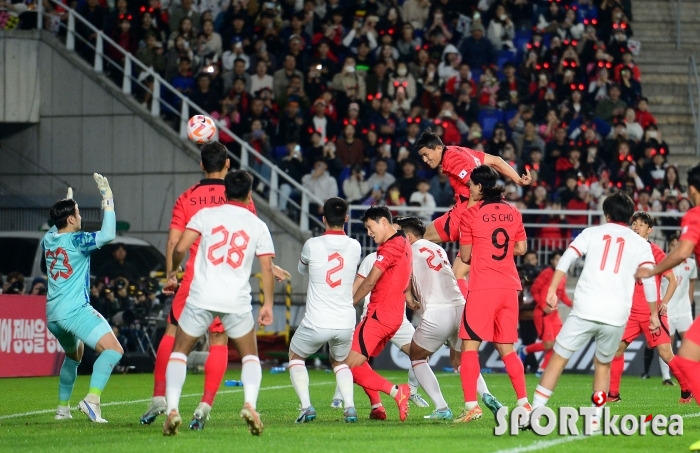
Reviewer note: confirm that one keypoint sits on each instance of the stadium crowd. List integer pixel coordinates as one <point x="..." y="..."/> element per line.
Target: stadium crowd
<point x="336" y="92"/>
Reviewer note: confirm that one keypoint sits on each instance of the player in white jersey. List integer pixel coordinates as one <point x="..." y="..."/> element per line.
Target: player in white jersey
<point x="679" y="311"/>
<point x="603" y="296"/>
<point x="441" y="303"/>
<point x="231" y="237"/>
<point x="331" y="262"/>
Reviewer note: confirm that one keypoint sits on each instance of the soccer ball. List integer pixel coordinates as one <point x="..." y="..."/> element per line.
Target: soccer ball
<point x="201" y="129"/>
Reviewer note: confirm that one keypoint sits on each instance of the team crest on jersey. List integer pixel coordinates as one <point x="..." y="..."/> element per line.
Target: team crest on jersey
<point x="684" y="229"/>
<point x="463" y="174"/>
<point x="380" y="257"/>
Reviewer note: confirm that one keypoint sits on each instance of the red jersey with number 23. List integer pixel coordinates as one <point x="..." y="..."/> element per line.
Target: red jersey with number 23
<point x="639" y="300"/>
<point x="458" y="163"/>
<point x="690" y="229"/>
<point x="387" y="303"/>
<point x="205" y="194"/>
<point x="492" y="229"/>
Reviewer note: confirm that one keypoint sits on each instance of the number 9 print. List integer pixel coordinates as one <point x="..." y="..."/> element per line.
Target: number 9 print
<point x="495" y="242"/>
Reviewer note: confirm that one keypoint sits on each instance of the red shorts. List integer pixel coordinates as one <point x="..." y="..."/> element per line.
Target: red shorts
<point x="491" y="315"/>
<point x="547" y="325"/>
<point x="179" y="304"/>
<point x="639" y="324"/>
<point x="371" y="336"/>
<point x="693" y="334"/>
<point x="447" y="225"/>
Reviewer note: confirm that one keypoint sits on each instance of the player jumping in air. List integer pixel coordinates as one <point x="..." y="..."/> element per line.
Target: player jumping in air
<point x="69" y="316"/>
<point x="603" y="296"/>
<point x="330" y="261"/>
<point x="546" y="319"/>
<point x="231" y="236"/>
<point x="441" y="303"/>
<point x="491" y="234"/>
<point x="207" y="193"/>
<point x="458" y="163"/>
<point x="688" y="357"/>
<point x="388" y="282"/>
<point x="638" y="323"/>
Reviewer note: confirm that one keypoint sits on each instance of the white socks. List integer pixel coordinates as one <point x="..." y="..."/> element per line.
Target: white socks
<point x="481" y="387"/>
<point x="300" y="380"/>
<point x="175" y="375"/>
<point x="337" y="395"/>
<point x="665" y="371"/>
<point x="251" y="376"/>
<point x="343" y="377"/>
<point x="429" y="382"/>
<point x="413" y="381"/>
<point x="542" y="396"/>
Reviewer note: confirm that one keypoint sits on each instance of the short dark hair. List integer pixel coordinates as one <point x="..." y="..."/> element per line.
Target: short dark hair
<point x="488" y="178"/>
<point x="554" y="253"/>
<point x="214" y="157"/>
<point x="376" y="213"/>
<point x="644" y="217"/>
<point x="335" y="210"/>
<point x="428" y="139"/>
<point x="674" y="237"/>
<point x="694" y="177"/>
<point x="238" y="184"/>
<point x="411" y="224"/>
<point x="619" y="207"/>
<point x="61" y="210"/>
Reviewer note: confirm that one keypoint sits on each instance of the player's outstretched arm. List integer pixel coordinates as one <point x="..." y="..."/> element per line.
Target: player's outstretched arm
<point x="672" y="286"/>
<point x="265" y="317"/>
<point x="503" y="168"/>
<point x="673" y="259"/>
<point x="109" y="220"/>
<point x="367" y="285"/>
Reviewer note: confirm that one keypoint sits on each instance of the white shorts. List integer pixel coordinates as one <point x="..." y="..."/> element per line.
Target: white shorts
<point x="576" y="332"/>
<point x="437" y="326"/>
<point x="196" y="321"/>
<point x="404" y="335"/>
<point x="308" y="340"/>
<point x="679" y="323"/>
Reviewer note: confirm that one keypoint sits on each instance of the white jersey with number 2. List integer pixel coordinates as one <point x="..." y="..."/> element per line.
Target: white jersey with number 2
<point x="231" y="238"/>
<point x="613" y="254"/>
<point x="330" y="261"/>
<point x="433" y="280"/>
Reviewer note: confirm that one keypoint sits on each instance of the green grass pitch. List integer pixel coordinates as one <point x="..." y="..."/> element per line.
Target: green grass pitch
<point x="126" y="396"/>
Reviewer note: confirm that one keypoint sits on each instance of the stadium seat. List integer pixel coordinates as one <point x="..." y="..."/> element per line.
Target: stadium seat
<point x="488" y="119"/>
<point x="279" y="153"/>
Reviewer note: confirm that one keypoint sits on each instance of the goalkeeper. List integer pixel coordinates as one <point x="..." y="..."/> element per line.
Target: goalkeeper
<point x="69" y="316"/>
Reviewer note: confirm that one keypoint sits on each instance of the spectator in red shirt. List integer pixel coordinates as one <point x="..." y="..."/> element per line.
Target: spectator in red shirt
<point x="644" y="116"/>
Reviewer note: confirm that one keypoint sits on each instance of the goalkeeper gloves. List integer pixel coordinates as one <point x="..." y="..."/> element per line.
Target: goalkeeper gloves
<point x="103" y="187"/>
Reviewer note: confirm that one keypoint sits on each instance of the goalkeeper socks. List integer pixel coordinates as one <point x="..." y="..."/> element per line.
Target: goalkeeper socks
<point x="616" y="369"/>
<point x="469" y="374"/>
<point x="343" y="377"/>
<point x="366" y="377"/>
<point x="534" y="347"/>
<point x="412" y="381"/>
<point x="102" y="369"/>
<point x="165" y="348"/>
<point x="251" y="376"/>
<point x="429" y="382"/>
<point x="516" y="373"/>
<point x="69" y="371"/>
<point x="175" y="376"/>
<point x="214" y="370"/>
<point x="300" y="381"/>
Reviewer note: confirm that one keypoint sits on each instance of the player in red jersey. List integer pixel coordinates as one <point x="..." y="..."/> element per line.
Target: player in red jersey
<point x="458" y="163"/>
<point x="547" y="320"/>
<point x="388" y="282"/>
<point x="208" y="192"/>
<point x="688" y="357"/>
<point x="638" y="322"/>
<point x="491" y="234"/>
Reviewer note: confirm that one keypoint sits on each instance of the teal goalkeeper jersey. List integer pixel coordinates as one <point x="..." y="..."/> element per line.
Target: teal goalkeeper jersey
<point x="68" y="266"/>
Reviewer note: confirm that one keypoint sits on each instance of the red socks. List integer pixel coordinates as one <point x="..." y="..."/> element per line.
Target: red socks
<point x="367" y="378"/>
<point x="165" y="348"/>
<point x="690" y="370"/>
<point x="469" y="374"/>
<point x="545" y="360"/>
<point x="463" y="287"/>
<point x="616" y="369"/>
<point x="534" y="347"/>
<point x="214" y="370"/>
<point x="373" y="396"/>
<point x="516" y="373"/>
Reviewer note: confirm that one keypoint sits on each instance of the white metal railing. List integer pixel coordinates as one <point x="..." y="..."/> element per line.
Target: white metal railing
<point x="694" y="99"/>
<point x="186" y="109"/>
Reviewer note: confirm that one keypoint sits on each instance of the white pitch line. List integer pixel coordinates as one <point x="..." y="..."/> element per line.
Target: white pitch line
<point x="543" y="444"/>
<point x="122" y="403"/>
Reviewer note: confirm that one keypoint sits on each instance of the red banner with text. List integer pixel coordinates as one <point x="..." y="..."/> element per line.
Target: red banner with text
<point x="27" y="348"/>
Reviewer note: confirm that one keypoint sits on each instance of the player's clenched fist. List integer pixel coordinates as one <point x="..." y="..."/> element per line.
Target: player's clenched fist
<point x="552" y="299"/>
<point x="265" y="317"/>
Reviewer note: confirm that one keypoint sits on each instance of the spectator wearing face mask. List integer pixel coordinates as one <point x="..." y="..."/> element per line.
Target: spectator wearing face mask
<point x="402" y="79"/>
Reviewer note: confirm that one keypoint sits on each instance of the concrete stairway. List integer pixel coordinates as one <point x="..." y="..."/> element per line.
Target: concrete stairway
<point x="665" y="70"/>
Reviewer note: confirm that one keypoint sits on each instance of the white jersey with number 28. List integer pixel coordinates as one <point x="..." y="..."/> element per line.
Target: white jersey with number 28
<point x="330" y="261"/>
<point x="613" y="254"/>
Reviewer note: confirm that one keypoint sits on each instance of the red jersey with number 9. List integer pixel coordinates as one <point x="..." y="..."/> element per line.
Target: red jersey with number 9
<point x="690" y="229"/>
<point x="387" y="303"/>
<point x="492" y="229"/>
